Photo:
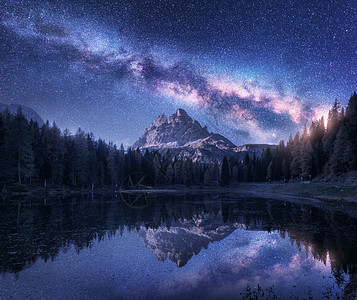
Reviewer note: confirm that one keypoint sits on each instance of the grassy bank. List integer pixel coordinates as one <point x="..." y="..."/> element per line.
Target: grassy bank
<point x="320" y="191"/>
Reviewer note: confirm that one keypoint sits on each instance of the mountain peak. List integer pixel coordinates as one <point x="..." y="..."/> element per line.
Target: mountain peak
<point x="160" y="119"/>
<point x="181" y="113"/>
<point x="184" y="135"/>
<point x="180" y="116"/>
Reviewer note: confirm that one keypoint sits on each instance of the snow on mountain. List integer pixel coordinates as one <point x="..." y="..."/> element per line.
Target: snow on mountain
<point x="177" y="130"/>
<point x="253" y="148"/>
<point x="29" y="113"/>
<point x="185" y="137"/>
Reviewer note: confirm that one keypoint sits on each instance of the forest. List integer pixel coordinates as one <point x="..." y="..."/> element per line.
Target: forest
<point x="45" y="156"/>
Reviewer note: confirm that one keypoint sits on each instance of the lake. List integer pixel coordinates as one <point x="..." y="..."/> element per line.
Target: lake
<point x="176" y="246"/>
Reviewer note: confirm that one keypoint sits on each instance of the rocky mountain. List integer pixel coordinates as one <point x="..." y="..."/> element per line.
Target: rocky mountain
<point x="186" y="238"/>
<point x="29" y="113"/>
<point x="185" y="137"/>
<point x="253" y="148"/>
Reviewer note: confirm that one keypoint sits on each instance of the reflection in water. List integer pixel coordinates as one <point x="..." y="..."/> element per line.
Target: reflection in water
<point x="178" y="227"/>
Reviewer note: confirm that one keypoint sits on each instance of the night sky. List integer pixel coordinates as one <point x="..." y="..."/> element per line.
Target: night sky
<point x="254" y="71"/>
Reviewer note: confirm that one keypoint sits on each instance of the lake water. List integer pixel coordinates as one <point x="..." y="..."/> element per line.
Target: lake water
<point x="206" y="246"/>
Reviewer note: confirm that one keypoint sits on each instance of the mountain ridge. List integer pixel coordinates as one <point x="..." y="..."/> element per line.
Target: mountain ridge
<point x="185" y="137"/>
<point x="28" y="112"/>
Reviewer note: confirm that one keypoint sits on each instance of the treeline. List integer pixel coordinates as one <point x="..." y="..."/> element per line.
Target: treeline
<point x="319" y="151"/>
<point x="33" y="155"/>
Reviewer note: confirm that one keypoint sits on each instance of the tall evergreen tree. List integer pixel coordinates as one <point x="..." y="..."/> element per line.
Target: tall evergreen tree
<point x="92" y="161"/>
<point x="351" y="123"/>
<point x="342" y="157"/>
<point x="270" y="172"/>
<point x="19" y="135"/>
<point x="81" y="158"/>
<point x="207" y="179"/>
<point x="113" y="164"/>
<point x="225" y="176"/>
<point x="295" y="167"/>
<point x="305" y="155"/>
<point x="331" y="130"/>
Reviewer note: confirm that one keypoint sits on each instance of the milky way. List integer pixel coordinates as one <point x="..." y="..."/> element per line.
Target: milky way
<point x="253" y="71"/>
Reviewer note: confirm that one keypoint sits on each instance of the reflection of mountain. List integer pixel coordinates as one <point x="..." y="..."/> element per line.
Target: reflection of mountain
<point x="186" y="238"/>
<point x="174" y="226"/>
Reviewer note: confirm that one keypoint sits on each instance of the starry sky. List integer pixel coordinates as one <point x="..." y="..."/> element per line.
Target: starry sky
<point x="254" y="71"/>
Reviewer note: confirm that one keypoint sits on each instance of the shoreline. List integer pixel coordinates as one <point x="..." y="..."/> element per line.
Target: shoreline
<point x="332" y="197"/>
<point x="313" y="191"/>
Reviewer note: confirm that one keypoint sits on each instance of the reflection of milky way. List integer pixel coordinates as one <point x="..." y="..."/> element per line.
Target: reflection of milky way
<point x="256" y="109"/>
<point x="252" y="258"/>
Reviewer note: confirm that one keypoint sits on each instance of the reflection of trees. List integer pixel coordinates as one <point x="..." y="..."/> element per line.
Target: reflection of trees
<point x="32" y="230"/>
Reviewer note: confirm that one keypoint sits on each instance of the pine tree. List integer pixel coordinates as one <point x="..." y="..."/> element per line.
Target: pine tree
<point x="103" y="170"/>
<point x="343" y="154"/>
<point x="234" y="177"/>
<point x="19" y="135"/>
<point x="331" y="130"/>
<point x="196" y="173"/>
<point x="68" y="158"/>
<point x="184" y="174"/>
<point x="156" y="165"/>
<point x="317" y="132"/>
<point x="225" y="176"/>
<point x="270" y="172"/>
<point x="305" y="155"/>
<point x="92" y="161"/>
<point x="121" y="169"/>
<point x="306" y="159"/>
<point x="207" y="177"/>
<point x="351" y="123"/>
<point x="81" y="158"/>
<point x="295" y="167"/>
<point x="113" y="165"/>
<point x="285" y="170"/>
<point x="55" y="152"/>
<point x="36" y="144"/>
<point x="7" y="160"/>
<point x="169" y="174"/>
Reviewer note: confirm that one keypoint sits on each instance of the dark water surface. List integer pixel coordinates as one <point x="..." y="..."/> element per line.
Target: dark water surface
<point x="210" y="246"/>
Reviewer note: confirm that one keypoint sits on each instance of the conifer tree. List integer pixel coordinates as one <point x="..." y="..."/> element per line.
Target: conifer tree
<point x="19" y="135"/>
<point x="169" y="173"/>
<point x="81" y="158"/>
<point x="305" y="155"/>
<point x="295" y="167"/>
<point x="285" y="170"/>
<point x="270" y="172"/>
<point x="7" y="161"/>
<point x="331" y="130"/>
<point x="113" y="165"/>
<point x="343" y="154"/>
<point x="225" y="176"/>
<point x="234" y="177"/>
<point x="207" y="177"/>
<point x="92" y="161"/>
<point x="55" y="152"/>
<point x="351" y="123"/>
